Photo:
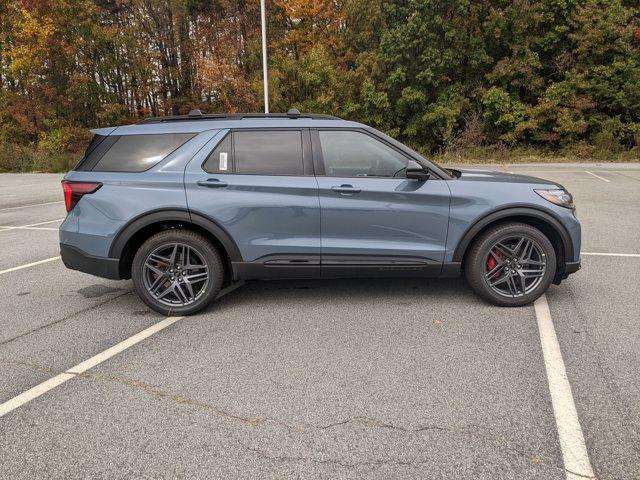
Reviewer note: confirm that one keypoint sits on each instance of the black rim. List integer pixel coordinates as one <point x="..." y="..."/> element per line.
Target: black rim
<point x="515" y="266"/>
<point x="175" y="274"/>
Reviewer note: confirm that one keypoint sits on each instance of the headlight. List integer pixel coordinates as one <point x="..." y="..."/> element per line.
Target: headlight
<point x="558" y="197"/>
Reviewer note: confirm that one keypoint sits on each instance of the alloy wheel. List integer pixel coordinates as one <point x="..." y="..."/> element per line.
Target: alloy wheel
<point x="175" y="274"/>
<point x="515" y="266"/>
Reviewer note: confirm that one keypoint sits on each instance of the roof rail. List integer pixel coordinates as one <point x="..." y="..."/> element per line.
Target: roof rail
<point x="198" y="115"/>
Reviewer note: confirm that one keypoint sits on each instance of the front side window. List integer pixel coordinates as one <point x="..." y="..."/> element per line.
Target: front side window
<point x="137" y="153"/>
<point x="355" y="154"/>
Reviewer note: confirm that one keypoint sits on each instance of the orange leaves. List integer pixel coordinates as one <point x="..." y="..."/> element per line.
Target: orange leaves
<point x="310" y="22"/>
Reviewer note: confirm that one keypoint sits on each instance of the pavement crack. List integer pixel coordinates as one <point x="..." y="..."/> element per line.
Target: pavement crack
<point x="175" y="398"/>
<point x="330" y="461"/>
<point x="34" y="366"/>
<point x="472" y="431"/>
<point x="66" y="317"/>
<point x="372" y="422"/>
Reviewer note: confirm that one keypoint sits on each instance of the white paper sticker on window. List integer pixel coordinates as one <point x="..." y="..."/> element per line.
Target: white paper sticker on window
<point x="223" y="160"/>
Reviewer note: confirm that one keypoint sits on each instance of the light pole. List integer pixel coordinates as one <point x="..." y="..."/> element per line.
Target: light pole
<point x="265" y="74"/>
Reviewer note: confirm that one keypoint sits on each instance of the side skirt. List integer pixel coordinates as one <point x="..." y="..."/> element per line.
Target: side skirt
<point x="308" y="267"/>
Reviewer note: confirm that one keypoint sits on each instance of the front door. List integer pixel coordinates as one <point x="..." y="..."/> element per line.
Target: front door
<point x="258" y="186"/>
<point x="373" y="219"/>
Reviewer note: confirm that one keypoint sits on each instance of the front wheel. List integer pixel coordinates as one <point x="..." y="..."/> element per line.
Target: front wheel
<point x="177" y="272"/>
<point x="510" y="264"/>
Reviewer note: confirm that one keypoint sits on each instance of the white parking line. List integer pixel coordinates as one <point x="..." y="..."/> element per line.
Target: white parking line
<point x="31" y="226"/>
<point x="30" y="205"/>
<point x="597" y="176"/>
<point x="598" y="254"/>
<point x="61" y="378"/>
<point x="5" y="229"/>
<point x="33" y="264"/>
<point x="574" y="451"/>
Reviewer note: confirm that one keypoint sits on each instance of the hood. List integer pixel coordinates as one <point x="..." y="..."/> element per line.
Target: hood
<point x="503" y="177"/>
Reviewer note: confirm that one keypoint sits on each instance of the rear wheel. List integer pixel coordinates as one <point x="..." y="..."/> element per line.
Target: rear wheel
<point x="510" y="264"/>
<point x="177" y="272"/>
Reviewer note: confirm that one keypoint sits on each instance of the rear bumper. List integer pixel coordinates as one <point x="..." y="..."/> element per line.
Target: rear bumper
<point x="76" y="259"/>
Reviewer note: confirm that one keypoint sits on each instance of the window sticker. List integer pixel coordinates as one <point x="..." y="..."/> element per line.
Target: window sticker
<point x="223" y="160"/>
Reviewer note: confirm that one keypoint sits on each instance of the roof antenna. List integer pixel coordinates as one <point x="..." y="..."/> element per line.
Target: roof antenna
<point x="195" y="113"/>
<point x="293" y="113"/>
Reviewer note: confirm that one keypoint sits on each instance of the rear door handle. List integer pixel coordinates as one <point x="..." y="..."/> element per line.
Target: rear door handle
<point x="212" y="183"/>
<point x="345" y="189"/>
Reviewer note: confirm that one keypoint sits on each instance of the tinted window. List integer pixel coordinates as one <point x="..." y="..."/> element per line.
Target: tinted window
<point x="268" y="152"/>
<point x="221" y="159"/>
<point x="99" y="144"/>
<point x="137" y="153"/>
<point x="355" y="154"/>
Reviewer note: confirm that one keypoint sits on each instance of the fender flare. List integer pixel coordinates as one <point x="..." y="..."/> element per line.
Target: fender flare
<point x="174" y="214"/>
<point x="506" y="213"/>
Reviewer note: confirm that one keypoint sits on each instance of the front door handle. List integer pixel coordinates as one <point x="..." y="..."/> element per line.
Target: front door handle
<point x="212" y="183"/>
<point x="345" y="189"/>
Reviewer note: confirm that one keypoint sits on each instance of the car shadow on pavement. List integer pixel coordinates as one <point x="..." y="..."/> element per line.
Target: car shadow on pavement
<point x="402" y="291"/>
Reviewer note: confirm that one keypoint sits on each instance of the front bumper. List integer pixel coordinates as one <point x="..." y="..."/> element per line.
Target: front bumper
<point x="76" y="259"/>
<point x="569" y="268"/>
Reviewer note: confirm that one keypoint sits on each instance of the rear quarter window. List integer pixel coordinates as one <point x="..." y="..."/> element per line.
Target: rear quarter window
<point x="134" y="153"/>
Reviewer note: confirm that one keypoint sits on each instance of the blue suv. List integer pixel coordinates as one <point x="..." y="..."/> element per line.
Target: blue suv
<point x="184" y="205"/>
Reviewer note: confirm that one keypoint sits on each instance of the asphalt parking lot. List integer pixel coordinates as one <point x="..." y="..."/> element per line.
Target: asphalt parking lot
<point x="338" y="379"/>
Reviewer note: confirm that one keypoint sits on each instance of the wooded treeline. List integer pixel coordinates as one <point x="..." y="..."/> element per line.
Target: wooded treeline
<point x="438" y="74"/>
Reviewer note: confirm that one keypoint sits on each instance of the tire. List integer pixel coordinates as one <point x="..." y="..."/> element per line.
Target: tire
<point x="153" y="271"/>
<point x="486" y="261"/>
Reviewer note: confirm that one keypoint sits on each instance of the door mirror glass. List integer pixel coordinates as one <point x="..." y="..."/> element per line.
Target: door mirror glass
<point x="415" y="171"/>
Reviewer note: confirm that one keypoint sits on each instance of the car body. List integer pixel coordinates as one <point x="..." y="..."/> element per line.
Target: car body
<point x="294" y="196"/>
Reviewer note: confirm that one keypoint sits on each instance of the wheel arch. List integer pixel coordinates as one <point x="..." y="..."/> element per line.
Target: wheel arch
<point x="133" y="234"/>
<point x="543" y="221"/>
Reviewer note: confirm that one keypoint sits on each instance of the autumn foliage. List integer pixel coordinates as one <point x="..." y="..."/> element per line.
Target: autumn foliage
<point x="439" y="74"/>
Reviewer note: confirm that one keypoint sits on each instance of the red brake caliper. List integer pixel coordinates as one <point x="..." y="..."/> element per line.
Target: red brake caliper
<point x="491" y="263"/>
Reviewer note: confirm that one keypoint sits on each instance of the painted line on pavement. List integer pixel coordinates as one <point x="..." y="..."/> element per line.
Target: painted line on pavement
<point x="31" y="226"/>
<point x="40" y="223"/>
<point x="7" y="229"/>
<point x="30" y="205"/>
<point x="572" y="444"/>
<point x="33" y="264"/>
<point x="82" y="367"/>
<point x="599" y="254"/>
<point x="61" y="378"/>
<point x="597" y="176"/>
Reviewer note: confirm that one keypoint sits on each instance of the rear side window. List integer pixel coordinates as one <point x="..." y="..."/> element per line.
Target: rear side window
<point x="137" y="153"/>
<point x="96" y="149"/>
<point x="258" y="152"/>
<point x="221" y="159"/>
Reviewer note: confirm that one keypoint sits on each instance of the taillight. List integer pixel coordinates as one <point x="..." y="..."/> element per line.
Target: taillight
<point x="73" y="191"/>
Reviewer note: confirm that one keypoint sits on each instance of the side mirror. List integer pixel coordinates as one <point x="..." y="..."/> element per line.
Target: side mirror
<point x="415" y="171"/>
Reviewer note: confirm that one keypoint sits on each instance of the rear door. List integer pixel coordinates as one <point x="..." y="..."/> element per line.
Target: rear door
<point x="373" y="219"/>
<point x="258" y="185"/>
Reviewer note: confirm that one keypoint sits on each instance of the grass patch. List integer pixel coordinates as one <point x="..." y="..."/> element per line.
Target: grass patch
<point x="21" y="159"/>
<point x="506" y="156"/>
